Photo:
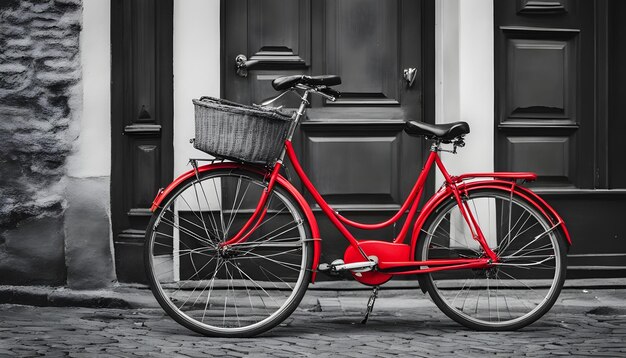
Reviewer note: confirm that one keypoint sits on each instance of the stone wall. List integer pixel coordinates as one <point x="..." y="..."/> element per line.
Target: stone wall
<point x="39" y="91"/>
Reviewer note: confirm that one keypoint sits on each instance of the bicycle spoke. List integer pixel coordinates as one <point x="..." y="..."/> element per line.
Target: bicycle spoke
<point x="530" y="243"/>
<point x="287" y="265"/>
<point x="177" y="216"/>
<point x="187" y="231"/>
<point x="194" y="275"/>
<point x="234" y="212"/>
<point x="208" y="298"/>
<point x="265" y="237"/>
<point x="265" y="272"/>
<point x="257" y="284"/>
<point x="221" y="207"/>
<point x="200" y="209"/>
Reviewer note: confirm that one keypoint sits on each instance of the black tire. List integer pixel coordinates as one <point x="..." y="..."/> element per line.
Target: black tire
<point x="529" y="278"/>
<point x="241" y="292"/>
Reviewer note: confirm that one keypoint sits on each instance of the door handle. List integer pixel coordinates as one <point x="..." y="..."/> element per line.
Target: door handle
<point x="409" y="76"/>
<point x="242" y="64"/>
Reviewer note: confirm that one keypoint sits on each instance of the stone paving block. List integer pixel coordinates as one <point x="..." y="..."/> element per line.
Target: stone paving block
<point x="329" y="304"/>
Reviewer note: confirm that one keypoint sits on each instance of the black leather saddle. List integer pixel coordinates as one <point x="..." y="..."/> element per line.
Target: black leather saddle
<point x="447" y="131"/>
<point x="283" y="83"/>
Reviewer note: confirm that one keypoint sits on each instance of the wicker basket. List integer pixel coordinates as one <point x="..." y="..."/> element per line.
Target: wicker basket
<point x="243" y="133"/>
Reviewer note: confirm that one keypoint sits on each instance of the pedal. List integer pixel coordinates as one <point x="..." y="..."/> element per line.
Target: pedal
<point x="370" y="304"/>
<point x="331" y="268"/>
<point x="323" y="267"/>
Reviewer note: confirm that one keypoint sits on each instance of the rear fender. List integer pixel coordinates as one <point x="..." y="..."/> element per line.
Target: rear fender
<point x="541" y="205"/>
<point x="280" y="180"/>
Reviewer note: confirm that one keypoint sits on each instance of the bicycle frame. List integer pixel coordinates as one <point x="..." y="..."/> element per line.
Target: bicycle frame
<point x="238" y="273"/>
<point x="392" y="258"/>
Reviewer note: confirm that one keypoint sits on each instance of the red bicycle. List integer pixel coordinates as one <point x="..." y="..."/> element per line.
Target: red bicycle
<point x="232" y="246"/>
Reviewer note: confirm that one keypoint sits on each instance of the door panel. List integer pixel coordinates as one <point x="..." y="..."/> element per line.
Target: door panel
<point x="372" y="179"/>
<point x="279" y="31"/>
<point x="556" y="165"/>
<point x="146" y="156"/>
<point x="354" y="150"/>
<point x="362" y="47"/>
<point x="542" y="75"/>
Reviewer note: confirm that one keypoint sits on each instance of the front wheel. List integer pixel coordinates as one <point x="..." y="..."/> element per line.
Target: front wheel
<point x="510" y="294"/>
<point x="240" y="291"/>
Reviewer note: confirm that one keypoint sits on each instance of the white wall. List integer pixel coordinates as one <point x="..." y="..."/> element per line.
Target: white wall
<point x="465" y="79"/>
<point x="196" y="70"/>
<point x="89" y="249"/>
<point x="92" y="151"/>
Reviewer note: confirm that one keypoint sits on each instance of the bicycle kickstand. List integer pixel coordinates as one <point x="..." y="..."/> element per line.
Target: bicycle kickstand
<point x="370" y="304"/>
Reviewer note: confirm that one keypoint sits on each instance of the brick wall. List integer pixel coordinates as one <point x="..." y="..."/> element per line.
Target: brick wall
<point x="39" y="90"/>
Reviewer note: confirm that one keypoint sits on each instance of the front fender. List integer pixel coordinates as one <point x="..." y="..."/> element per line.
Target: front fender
<point x="280" y="180"/>
<point x="541" y="205"/>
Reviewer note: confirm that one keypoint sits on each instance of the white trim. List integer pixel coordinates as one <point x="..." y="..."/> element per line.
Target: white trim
<point x="92" y="150"/>
<point x="465" y="79"/>
<point x="196" y="70"/>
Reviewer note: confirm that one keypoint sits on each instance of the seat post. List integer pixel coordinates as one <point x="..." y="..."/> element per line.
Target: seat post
<point x="435" y="146"/>
<point x="298" y="115"/>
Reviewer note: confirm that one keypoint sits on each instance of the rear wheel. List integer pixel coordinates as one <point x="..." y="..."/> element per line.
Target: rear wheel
<point x="512" y="293"/>
<point x="244" y="290"/>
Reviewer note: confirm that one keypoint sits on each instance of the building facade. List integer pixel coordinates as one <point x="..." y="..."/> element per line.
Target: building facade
<point x="97" y="115"/>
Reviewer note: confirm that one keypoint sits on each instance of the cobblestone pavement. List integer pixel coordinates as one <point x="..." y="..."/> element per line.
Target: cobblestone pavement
<point x="582" y="323"/>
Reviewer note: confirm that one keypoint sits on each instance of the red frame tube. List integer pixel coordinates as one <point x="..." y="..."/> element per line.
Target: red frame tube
<point x="477" y="233"/>
<point x="333" y="216"/>
<point x="434" y="262"/>
<point x="477" y="264"/>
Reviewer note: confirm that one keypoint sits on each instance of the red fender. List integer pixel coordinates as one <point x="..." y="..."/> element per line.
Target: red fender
<point x="544" y="208"/>
<point x="280" y="180"/>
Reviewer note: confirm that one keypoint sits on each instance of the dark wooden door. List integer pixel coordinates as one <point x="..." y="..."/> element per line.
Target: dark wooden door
<point x="142" y="121"/>
<point x="354" y="150"/>
<point x="558" y="74"/>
